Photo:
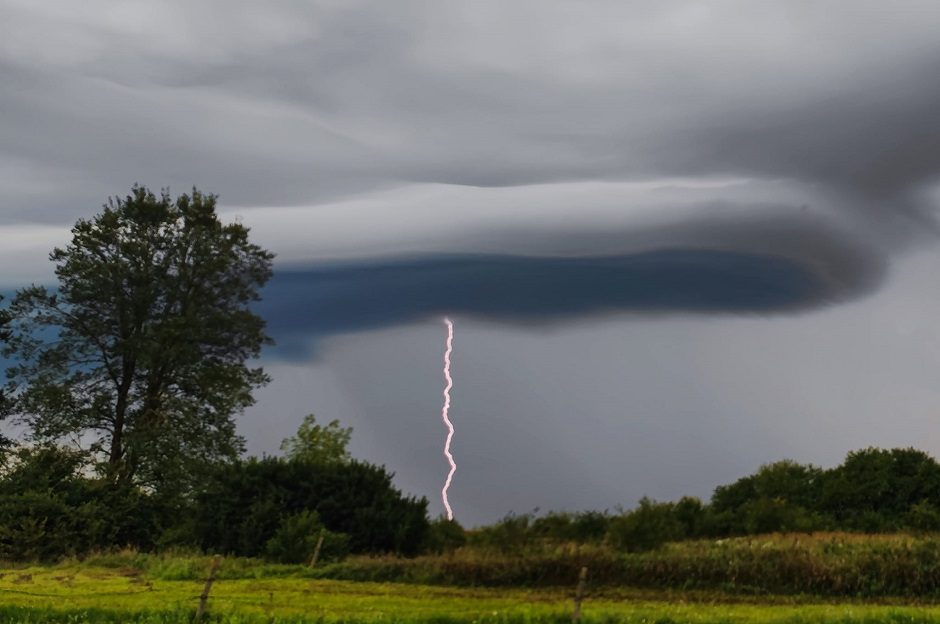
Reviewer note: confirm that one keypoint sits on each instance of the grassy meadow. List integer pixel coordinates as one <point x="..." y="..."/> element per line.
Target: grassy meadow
<point x="96" y="594"/>
<point x="774" y="578"/>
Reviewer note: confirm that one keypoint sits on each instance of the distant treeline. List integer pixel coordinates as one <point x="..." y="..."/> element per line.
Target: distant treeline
<point x="872" y="491"/>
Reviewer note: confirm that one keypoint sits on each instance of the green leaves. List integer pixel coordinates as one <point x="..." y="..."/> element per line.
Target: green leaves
<point x="318" y="443"/>
<point x="296" y="540"/>
<point x="141" y="351"/>
<point x="241" y="506"/>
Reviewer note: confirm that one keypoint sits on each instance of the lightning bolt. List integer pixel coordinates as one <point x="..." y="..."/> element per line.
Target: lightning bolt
<point x="446" y="419"/>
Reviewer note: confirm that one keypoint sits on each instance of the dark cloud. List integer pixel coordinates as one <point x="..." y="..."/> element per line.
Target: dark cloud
<point x="317" y="302"/>
<point x="720" y="264"/>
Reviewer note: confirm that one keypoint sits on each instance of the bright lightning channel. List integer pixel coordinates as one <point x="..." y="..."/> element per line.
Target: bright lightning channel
<point x="446" y="419"/>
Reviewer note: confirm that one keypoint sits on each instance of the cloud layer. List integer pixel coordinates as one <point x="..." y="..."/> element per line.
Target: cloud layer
<point x="766" y="275"/>
<point x="303" y="103"/>
<point x="357" y="130"/>
<point x="352" y="298"/>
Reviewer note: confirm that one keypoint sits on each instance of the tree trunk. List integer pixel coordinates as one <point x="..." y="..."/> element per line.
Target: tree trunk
<point x="117" y="443"/>
<point x="116" y="456"/>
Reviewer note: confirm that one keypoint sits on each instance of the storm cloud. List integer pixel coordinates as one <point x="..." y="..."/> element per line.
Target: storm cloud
<point x="308" y="105"/>
<point x="533" y="290"/>
<point x="759" y="267"/>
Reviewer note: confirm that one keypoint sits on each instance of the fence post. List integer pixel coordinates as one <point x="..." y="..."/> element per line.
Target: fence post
<point x="579" y="595"/>
<point x="316" y="551"/>
<point x="207" y="588"/>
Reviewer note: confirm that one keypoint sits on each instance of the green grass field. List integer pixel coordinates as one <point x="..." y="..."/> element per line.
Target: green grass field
<point x="108" y="590"/>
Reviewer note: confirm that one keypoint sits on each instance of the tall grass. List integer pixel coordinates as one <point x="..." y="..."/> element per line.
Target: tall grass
<point x="820" y="564"/>
<point x="186" y="565"/>
<point x="825" y="564"/>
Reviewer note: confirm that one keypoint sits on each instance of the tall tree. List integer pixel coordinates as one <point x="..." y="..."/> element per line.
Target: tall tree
<point x="142" y="353"/>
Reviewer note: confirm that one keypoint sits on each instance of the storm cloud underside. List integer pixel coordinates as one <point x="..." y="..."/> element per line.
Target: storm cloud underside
<point x="320" y="302"/>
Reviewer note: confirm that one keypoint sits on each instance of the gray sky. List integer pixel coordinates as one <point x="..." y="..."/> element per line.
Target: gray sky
<point x="677" y="239"/>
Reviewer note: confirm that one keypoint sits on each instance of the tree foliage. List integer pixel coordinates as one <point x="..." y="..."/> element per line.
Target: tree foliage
<point x="274" y="507"/>
<point x="874" y="488"/>
<point x="444" y="536"/>
<point x="785" y="480"/>
<point x="243" y="505"/>
<point x="295" y="540"/>
<point x="315" y="443"/>
<point x="645" y="527"/>
<point x="49" y="508"/>
<point x="140" y="353"/>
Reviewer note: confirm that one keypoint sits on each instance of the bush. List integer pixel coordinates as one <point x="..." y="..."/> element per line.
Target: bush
<point x="510" y="535"/>
<point x="296" y="540"/>
<point x="784" y="480"/>
<point x="242" y="506"/>
<point x="36" y="526"/>
<point x="445" y="536"/>
<point x="770" y="515"/>
<point x="923" y="517"/>
<point x="585" y="527"/>
<point x="693" y="516"/>
<point x="48" y="509"/>
<point x="648" y="526"/>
